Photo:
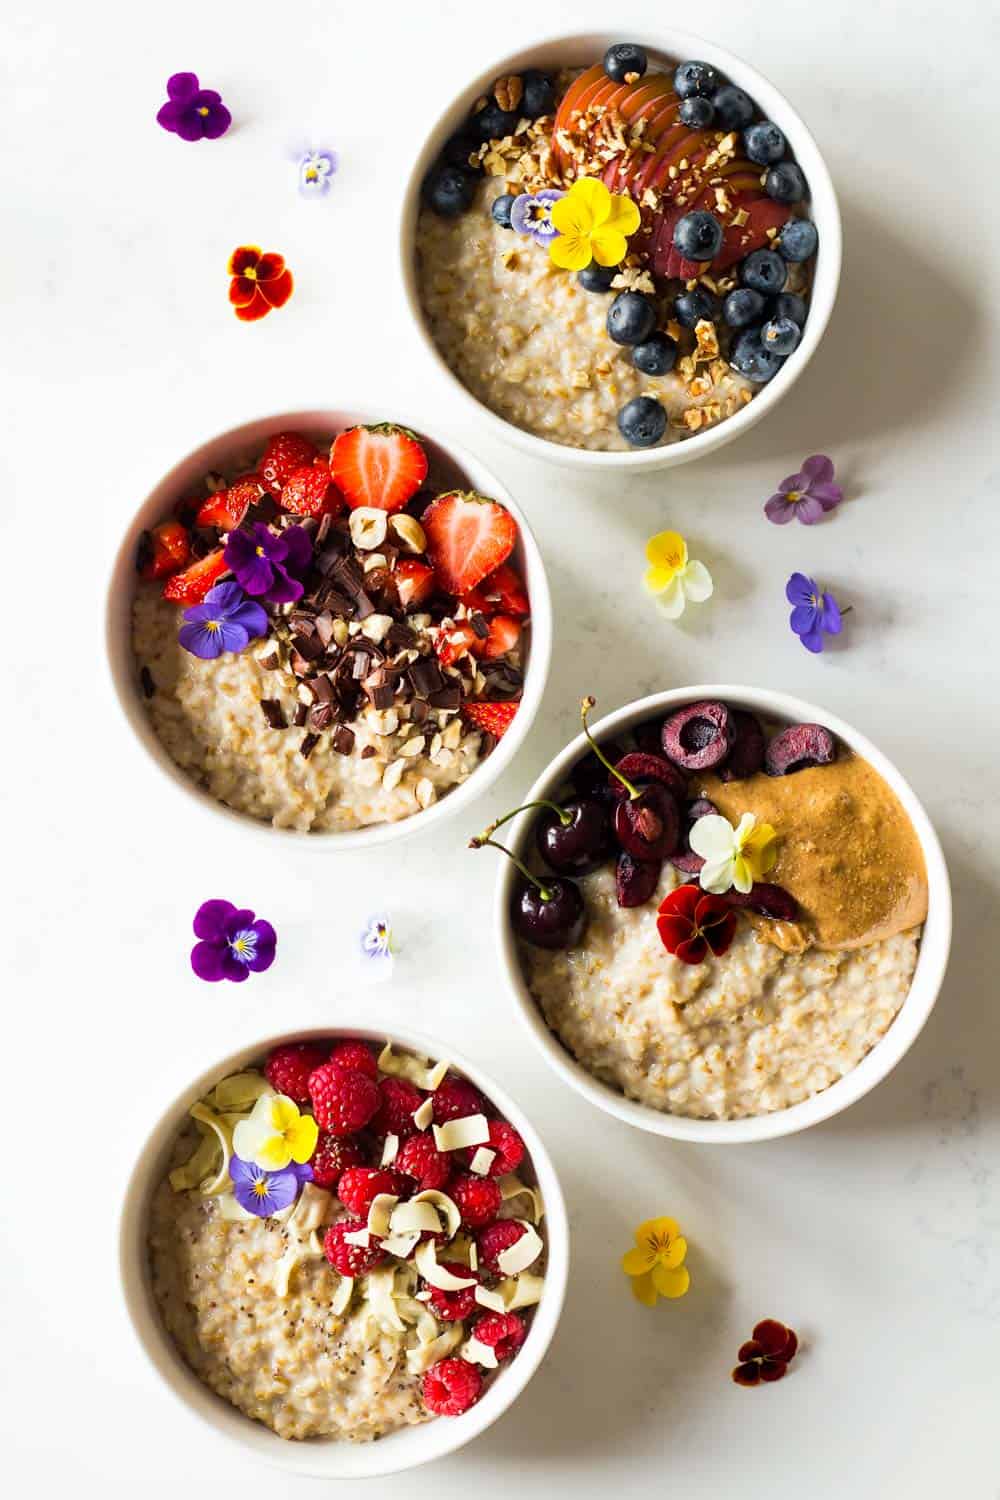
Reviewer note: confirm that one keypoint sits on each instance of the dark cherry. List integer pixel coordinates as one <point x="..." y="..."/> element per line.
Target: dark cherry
<point x="747" y="755"/>
<point x="575" y="838"/>
<point x="768" y="900"/>
<point x="699" y="736"/>
<point x="550" y="915"/>
<point x="648" y="824"/>
<point x="636" y="880"/>
<point x="799" y="747"/>
<point x="639" y="766"/>
<point x="647" y="737"/>
<point x="685" y="858"/>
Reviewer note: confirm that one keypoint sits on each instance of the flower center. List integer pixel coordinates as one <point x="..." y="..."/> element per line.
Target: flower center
<point x="658" y="1243"/>
<point x="261" y="1187"/>
<point x="793" y="496"/>
<point x="311" y="174"/>
<point x="250" y="273"/>
<point x="816" y="600"/>
<point x="203" y="110"/>
<point x="244" y="946"/>
<point x="260" y="552"/>
<point x="212" y="626"/>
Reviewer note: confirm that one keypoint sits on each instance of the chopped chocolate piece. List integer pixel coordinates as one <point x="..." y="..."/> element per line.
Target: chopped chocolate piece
<point x="487" y="744"/>
<point x="301" y="713"/>
<point x="271" y="662"/>
<point x="479" y="625"/>
<point x="377" y="580"/>
<point x="323" y="688"/>
<point x="309" y="646"/>
<point x="342" y="739"/>
<point x="400" y="636"/>
<point x="264" y="510"/>
<point x="148" y="684"/>
<point x="324" y="622"/>
<point x="308" y="523"/>
<point x="273" y="713"/>
<point x="327" y="597"/>
<point x="419" y="710"/>
<point x="425" y="677"/>
<point x="382" y="696"/>
<point x="446" y="697"/>
<point x="204" y="539"/>
<point x="308" y="745"/>
<point x="303" y="625"/>
<point x="298" y="663"/>
<point x="368" y="752"/>
<point x="360" y="665"/>
<point x="321" y="716"/>
<point x="323" y="529"/>
<point x="330" y="556"/>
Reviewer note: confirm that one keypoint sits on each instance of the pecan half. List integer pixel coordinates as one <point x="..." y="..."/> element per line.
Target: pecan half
<point x="508" y="92"/>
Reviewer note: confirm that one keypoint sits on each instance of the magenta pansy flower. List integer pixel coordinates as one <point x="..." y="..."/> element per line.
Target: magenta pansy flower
<point x="193" y="113"/>
<point x="807" y="495"/>
<point x="232" y="944"/>
<point x="269" y="564"/>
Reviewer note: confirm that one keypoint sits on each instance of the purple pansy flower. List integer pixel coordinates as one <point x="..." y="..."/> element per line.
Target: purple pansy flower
<point x="231" y="943"/>
<point x="192" y="112"/>
<point x="815" y="613"/>
<point x="225" y="621"/>
<point x="317" y="166"/>
<point x="807" y="495"/>
<point x="262" y="1192"/>
<point x="266" y="562"/>
<point x="531" y="214"/>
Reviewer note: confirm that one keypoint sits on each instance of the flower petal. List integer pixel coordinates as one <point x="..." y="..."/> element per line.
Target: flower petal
<point x="202" y="641"/>
<point x="637" y="1261"/>
<point x="302" y="1139"/>
<point x="831" y="620"/>
<point x="570" y="217"/>
<point x="258" y="308"/>
<point x="818" y="468"/>
<point x="799" y="589"/>
<point x="809" y="510"/>
<point x="207" y="961"/>
<point x="779" y="510"/>
<point x="667" y="550"/>
<point x="267" y="942"/>
<point x="643" y="1289"/>
<point x="671" y="1282"/>
<point x="712" y="837"/>
<point x="211" y="920"/>
<point x="674" y="1254"/>
<point x="608" y="246"/>
<point x="828" y="495"/>
<point x="697" y="581"/>
<point x="660" y="1228"/>
<point x="742" y="875"/>
<point x="270" y="265"/>
<point x="244" y="258"/>
<point x="623" y="217"/>
<point x="716" y="875"/>
<point x="570" y="251"/>
<point x="672" y="602"/>
<point x="278" y="289"/>
<point x="804" y="618"/>
<point x="812" y="640"/>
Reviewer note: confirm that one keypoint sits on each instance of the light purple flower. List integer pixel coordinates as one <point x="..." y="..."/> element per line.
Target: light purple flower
<point x="807" y="495"/>
<point x="376" y="947"/>
<point x="231" y="944"/>
<point x="261" y="1192"/>
<point x="267" y="563"/>
<point x="815" y="613"/>
<point x="193" y="113"/>
<point x="226" y="620"/>
<point x="531" y="214"/>
<point x="317" y="166"/>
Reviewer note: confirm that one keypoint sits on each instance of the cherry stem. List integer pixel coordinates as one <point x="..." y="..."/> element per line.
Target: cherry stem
<point x="585" y="708"/>
<point x="484" y="841"/>
<point x="560" y="812"/>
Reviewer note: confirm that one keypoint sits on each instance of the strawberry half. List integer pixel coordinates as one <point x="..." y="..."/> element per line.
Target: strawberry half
<point x="382" y="466"/>
<point x="415" y="582"/>
<point x="163" y="550"/>
<point x="468" y="537"/>
<point x="504" y="592"/>
<point x="505" y="632"/>
<point x="227" y="509"/>
<point x="309" y="491"/>
<point x="492" y="718"/>
<point x="284" y="452"/>
<point x="191" y="586"/>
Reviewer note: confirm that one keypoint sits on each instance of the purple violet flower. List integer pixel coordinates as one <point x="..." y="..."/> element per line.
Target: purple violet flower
<point x="317" y="166"/>
<point x="815" y="612"/>
<point x="531" y="214"/>
<point x="192" y="112"/>
<point x="261" y="1192"/>
<point x="807" y="495"/>
<point x="226" y="620"/>
<point x="266" y="562"/>
<point x="231" y="943"/>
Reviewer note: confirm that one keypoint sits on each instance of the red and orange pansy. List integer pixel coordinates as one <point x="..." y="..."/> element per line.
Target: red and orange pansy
<point x="259" y="282"/>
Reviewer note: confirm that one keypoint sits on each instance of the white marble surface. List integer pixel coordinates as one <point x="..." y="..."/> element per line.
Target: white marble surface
<point x="875" y="1235"/>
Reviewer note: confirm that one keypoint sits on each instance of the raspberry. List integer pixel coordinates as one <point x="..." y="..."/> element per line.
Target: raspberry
<point x="452" y="1307"/>
<point x="357" y="1057"/>
<point x="494" y="1239"/>
<point x="287" y="1069"/>
<point x="419" y="1157"/>
<point x="359" y="1185"/>
<point x="343" y="1101"/>
<point x="451" y="1387"/>
<point x="503" y="1332"/>
<point x="350" y="1260"/>
<point x="395" y="1116"/>
<point x="332" y="1157"/>
<point x="478" y="1199"/>
<point x="507" y="1144"/>
<point x="455" y="1099"/>
<point x="284" y="452"/>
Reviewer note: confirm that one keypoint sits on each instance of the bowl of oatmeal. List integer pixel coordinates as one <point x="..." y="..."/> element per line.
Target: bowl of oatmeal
<point x="323" y="623"/>
<point x="346" y="1253"/>
<point x="677" y="291"/>
<point x="731" y="923"/>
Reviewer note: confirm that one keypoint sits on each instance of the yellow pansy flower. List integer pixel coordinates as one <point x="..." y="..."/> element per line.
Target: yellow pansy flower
<point x="733" y="856"/>
<point x="672" y="577"/>
<point x="275" y="1134"/>
<point x="593" y="224"/>
<point x="656" y="1263"/>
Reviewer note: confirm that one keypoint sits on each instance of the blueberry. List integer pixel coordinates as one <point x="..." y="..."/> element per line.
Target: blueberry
<point x="539" y="96"/>
<point x="764" y="271"/>
<point x="695" y="306"/>
<point x="696" y="112"/>
<point x="631" y="318"/>
<point x="790" y="305"/>
<point x="459" y="148"/>
<point x="693" y="78"/>
<point x="780" y="336"/>
<point x="655" y="355"/>
<point x="764" y="143"/>
<point x="798" y="240"/>
<point x="501" y="209"/>
<point x="733" y="107"/>
<point x="449" y="190"/>
<point x="751" y="359"/>
<point x="698" y="236"/>
<point x="785" y="182"/>
<point x="493" y="123"/>
<point x="743" y="307"/>
<point x="595" y="278"/>
<point x="642" y="422"/>
<point x="624" y="58"/>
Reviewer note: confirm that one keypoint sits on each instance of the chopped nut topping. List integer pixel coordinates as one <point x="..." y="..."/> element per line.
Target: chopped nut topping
<point x="508" y="92"/>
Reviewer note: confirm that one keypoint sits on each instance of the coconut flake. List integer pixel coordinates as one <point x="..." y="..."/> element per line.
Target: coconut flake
<point x="362" y="1238"/>
<point x="379" y="1289"/>
<point x="470" y="1130"/>
<point x="523" y="1253"/>
<point x="390" y="1150"/>
<point x="448" y="1207"/>
<point x="424" y="1114"/>
<point x="473" y="1256"/>
<point x="487" y="1298"/>
<point x="417" y="1070"/>
<point x="342" y="1295"/>
<point x="380" y="1214"/>
<point x="435" y="1275"/>
<point x="482" y="1160"/>
<point x="479" y="1354"/>
<point x="521" y="1291"/>
<point x="312" y="1209"/>
<point x="415" y="1218"/>
<point x="400" y="1244"/>
<point x="420" y="1359"/>
<point x="512" y="1187"/>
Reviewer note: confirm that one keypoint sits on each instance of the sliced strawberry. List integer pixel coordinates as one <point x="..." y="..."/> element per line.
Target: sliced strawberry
<point x="492" y="718"/>
<point x="382" y="466"/>
<point x="505" y="632"/>
<point x="309" y="491"/>
<point x="227" y="509"/>
<point x="468" y="537"/>
<point x="415" y="582"/>
<point x="477" y="603"/>
<point x="504" y="591"/>
<point x="456" y="642"/>
<point x="163" y="550"/>
<point x="191" y="586"/>
<point x="284" y="452"/>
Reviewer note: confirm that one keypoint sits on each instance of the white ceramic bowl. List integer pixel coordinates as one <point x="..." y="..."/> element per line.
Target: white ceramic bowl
<point x="329" y="1458"/>
<point x="661" y="42"/>
<point x="880" y="1061"/>
<point x="460" y="467"/>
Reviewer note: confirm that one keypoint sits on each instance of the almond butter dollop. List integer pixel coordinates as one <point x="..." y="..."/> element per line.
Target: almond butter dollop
<point x="847" y="851"/>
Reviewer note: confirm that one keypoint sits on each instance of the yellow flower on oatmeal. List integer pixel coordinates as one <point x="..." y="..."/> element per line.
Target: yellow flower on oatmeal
<point x="593" y="224"/>
<point x="655" y="1264"/>
<point x="275" y="1134"/>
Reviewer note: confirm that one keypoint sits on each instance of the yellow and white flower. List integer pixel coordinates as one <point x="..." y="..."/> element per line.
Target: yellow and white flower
<point x="733" y="856"/>
<point x="275" y="1134"/>
<point x="672" y="577"/>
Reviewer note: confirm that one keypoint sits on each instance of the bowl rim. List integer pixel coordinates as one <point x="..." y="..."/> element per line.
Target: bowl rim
<point x="333" y="1458"/>
<point x="671" y="42"/>
<point x="925" y="985"/>
<point x="119" y="662"/>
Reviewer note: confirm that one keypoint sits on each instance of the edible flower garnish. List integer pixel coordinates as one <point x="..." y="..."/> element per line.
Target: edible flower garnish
<point x="266" y="562"/>
<point x="656" y="1263"/>
<point x="226" y="620"/>
<point x="231" y="943"/>
<point x="672" y="578"/>
<point x="807" y="495"/>
<point x="376" y="947"/>
<point x="193" y="113"/>
<point x="691" y="924"/>
<point x="259" y="282"/>
<point x="733" y="856"/>
<point x="592" y="224"/>
<point x="531" y="214"/>
<point x="767" y="1354"/>
<point x="815" y="611"/>
<point x="261" y="1192"/>
<point x="275" y="1134"/>
<point x="316" y="168"/>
